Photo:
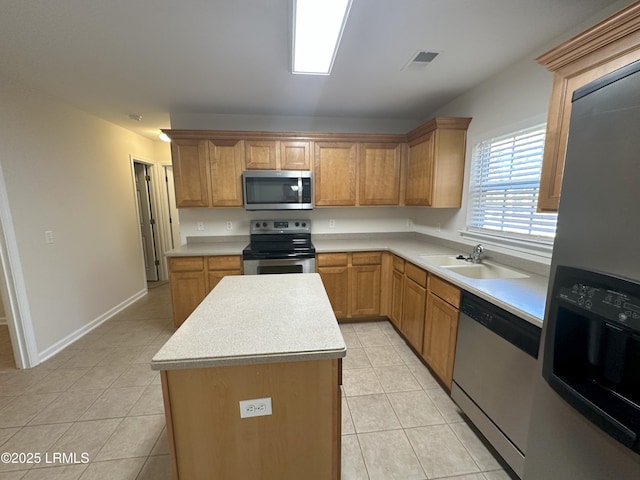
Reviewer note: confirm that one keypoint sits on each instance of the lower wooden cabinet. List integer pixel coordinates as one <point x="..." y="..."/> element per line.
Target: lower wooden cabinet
<point x="414" y="305"/>
<point x="192" y="278"/>
<point x="397" y="291"/>
<point x="352" y="282"/>
<point x="441" y="328"/>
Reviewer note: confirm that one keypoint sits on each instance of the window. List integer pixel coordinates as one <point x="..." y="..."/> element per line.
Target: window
<point x="504" y="184"/>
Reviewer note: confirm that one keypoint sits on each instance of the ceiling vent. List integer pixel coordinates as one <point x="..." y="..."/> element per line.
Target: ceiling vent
<point x="420" y="59"/>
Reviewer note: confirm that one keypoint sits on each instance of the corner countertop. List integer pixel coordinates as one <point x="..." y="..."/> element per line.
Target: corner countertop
<point x="255" y="319"/>
<point x="524" y="297"/>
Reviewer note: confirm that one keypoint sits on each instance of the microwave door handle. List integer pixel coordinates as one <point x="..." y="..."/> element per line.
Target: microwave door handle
<point x="299" y="190"/>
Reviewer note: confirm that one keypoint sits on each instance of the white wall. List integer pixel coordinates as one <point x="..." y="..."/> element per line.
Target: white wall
<point x="69" y="172"/>
<point x="516" y="98"/>
<point x="347" y="220"/>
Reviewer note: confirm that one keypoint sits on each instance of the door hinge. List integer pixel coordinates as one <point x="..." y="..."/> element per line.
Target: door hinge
<point x="157" y="263"/>
<point x="152" y="221"/>
<point x="147" y="178"/>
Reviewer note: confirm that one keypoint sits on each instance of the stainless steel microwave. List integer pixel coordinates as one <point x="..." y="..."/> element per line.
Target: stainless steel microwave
<point x="277" y="190"/>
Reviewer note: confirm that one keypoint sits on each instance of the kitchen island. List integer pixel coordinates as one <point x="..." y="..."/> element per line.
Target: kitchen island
<point x="272" y="341"/>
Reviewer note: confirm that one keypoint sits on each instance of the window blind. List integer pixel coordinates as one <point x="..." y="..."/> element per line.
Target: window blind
<point x="504" y="185"/>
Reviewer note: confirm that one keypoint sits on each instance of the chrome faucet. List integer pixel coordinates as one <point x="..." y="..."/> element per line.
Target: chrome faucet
<point x="477" y="252"/>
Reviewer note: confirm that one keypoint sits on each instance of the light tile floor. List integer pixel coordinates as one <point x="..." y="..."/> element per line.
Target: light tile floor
<point x="99" y="396"/>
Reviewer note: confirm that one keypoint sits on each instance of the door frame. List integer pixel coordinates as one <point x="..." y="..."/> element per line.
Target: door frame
<point x="157" y="203"/>
<point x="147" y="217"/>
<point x="13" y="289"/>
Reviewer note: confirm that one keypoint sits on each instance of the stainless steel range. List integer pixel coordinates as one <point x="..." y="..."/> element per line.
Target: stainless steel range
<point x="279" y="246"/>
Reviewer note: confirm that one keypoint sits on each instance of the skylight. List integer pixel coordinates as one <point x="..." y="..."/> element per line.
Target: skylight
<point x="317" y="29"/>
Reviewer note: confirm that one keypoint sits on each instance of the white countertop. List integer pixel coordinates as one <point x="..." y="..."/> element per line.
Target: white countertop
<point x="524" y="297"/>
<point x="255" y="319"/>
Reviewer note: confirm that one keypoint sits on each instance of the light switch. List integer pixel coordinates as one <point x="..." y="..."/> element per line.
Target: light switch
<point x="48" y="236"/>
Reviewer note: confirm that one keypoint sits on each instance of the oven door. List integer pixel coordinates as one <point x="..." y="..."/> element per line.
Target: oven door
<point x="266" y="266"/>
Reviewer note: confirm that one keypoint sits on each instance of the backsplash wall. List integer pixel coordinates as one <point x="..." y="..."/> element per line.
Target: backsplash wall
<point x="347" y="220"/>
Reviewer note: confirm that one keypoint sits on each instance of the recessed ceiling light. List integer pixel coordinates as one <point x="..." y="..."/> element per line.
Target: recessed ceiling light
<point x="317" y="29"/>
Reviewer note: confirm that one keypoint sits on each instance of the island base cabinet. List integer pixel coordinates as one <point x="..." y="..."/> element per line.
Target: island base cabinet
<point x="300" y="439"/>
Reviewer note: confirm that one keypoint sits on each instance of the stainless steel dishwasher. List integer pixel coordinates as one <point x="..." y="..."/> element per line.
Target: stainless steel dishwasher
<point x="493" y="376"/>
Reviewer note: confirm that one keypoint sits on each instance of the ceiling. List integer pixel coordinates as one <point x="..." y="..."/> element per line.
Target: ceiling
<point x="152" y="57"/>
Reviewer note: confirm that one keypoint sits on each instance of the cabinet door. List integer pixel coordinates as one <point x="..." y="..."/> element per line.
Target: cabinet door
<point x="413" y="310"/>
<point x="365" y="290"/>
<point x="420" y="172"/>
<point x="260" y="155"/>
<point x="397" y="289"/>
<point x="336" y="283"/>
<point x="190" y="159"/>
<point x="440" y="336"/>
<point x="334" y="173"/>
<point x="226" y="163"/>
<point x="219" y="267"/>
<point x="295" y="155"/>
<point x="188" y="286"/>
<point x="379" y="174"/>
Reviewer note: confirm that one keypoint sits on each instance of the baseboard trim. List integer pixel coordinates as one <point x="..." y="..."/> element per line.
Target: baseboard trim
<point x="81" y="332"/>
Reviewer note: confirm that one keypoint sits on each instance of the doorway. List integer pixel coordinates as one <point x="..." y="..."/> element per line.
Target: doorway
<point x="146" y="212"/>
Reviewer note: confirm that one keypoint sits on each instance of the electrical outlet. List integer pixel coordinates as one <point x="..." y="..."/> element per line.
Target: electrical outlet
<point x="257" y="407"/>
<point x="439" y="227"/>
<point x="332" y="223"/>
<point x="229" y="225"/>
<point x="48" y="236"/>
<point x="200" y="226"/>
<point x="409" y="223"/>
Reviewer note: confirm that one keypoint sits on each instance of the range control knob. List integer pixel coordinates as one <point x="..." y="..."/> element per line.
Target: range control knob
<point x="257" y="224"/>
<point x="264" y="224"/>
<point x="304" y="224"/>
<point x="297" y="224"/>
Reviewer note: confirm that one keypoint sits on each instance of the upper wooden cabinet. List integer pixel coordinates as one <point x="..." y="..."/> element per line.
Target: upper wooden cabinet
<point x="191" y="172"/>
<point x="435" y="164"/>
<point x="277" y="155"/>
<point x="295" y="155"/>
<point x="608" y="46"/>
<point x="260" y="155"/>
<point x="226" y="165"/>
<point x="380" y="167"/>
<point x="349" y="169"/>
<point x="334" y="171"/>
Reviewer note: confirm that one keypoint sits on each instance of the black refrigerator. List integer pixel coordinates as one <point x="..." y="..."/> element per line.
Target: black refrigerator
<point x="585" y="422"/>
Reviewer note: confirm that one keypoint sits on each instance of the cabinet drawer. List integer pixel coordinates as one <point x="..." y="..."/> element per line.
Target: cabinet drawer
<point x="398" y="264"/>
<point x="331" y="259"/>
<point x="449" y="293"/>
<point x="366" y="258"/>
<point x="186" y="264"/>
<point x="416" y="274"/>
<point x="224" y="262"/>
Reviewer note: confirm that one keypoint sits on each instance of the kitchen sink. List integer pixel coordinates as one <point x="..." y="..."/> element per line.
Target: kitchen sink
<point x="443" y="260"/>
<point x="484" y="271"/>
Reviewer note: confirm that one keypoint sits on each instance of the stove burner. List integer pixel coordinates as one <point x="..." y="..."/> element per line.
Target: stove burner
<point x="279" y="239"/>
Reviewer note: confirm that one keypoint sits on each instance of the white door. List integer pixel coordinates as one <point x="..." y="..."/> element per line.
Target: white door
<point x="147" y="221"/>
